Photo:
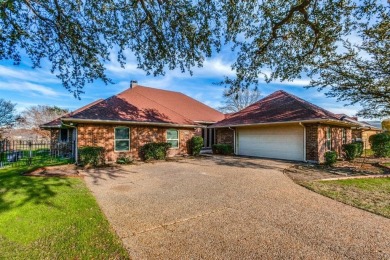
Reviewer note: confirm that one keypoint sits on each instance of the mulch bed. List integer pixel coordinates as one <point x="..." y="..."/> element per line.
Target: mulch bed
<point x="69" y="170"/>
<point x="359" y="167"/>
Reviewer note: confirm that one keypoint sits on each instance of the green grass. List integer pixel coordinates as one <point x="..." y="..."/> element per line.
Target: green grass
<point x="387" y="164"/>
<point x="368" y="194"/>
<point x="52" y="218"/>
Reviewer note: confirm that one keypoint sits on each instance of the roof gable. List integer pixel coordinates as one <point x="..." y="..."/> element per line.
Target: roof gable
<point x="278" y="107"/>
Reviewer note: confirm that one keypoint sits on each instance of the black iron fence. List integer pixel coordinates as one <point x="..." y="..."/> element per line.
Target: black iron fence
<point x="29" y="152"/>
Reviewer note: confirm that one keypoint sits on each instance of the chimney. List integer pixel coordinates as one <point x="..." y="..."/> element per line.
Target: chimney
<point x="133" y="83"/>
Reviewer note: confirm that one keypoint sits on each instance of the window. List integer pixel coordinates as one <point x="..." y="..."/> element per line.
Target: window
<point x="344" y="136"/>
<point x="122" y="139"/>
<point x="173" y="138"/>
<point x="63" y="135"/>
<point x="328" y="139"/>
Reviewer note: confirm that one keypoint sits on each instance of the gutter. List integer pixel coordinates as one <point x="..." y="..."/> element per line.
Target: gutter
<point x="325" y="121"/>
<point x="77" y="120"/>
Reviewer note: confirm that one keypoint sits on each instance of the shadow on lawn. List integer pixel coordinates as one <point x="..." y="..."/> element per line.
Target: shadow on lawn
<point x="17" y="190"/>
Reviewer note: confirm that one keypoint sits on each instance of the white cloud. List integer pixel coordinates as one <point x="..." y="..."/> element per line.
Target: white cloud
<point x="24" y="86"/>
<point x="22" y="74"/>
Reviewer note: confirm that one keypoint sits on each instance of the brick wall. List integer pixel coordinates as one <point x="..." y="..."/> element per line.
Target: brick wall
<point x="316" y="141"/>
<point x="312" y="142"/>
<point x="225" y="136"/>
<point x="103" y="135"/>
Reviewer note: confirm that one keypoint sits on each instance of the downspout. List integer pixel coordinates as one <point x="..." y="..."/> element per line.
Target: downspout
<point x="304" y="141"/>
<point x="234" y="139"/>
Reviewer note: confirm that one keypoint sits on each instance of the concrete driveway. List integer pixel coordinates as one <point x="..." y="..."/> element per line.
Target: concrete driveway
<point x="231" y="208"/>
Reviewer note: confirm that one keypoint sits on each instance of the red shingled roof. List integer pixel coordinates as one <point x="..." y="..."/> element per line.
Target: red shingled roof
<point x="57" y="122"/>
<point x="149" y="105"/>
<point x="280" y="106"/>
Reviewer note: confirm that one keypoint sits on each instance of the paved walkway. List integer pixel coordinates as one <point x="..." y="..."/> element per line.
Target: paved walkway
<point x="231" y="208"/>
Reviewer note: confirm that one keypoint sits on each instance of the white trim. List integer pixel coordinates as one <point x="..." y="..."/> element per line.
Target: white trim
<point x="121" y="139"/>
<point x="304" y="141"/>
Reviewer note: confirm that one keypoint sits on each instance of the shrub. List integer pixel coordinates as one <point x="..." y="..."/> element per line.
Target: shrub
<point x="330" y="158"/>
<point x="196" y="145"/>
<point x="224" y="149"/>
<point x="91" y="155"/>
<point x="360" y="148"/>
<point x="122" y="159"/>
<point x="350" y="151"/>
<point x="156" y="151"/>
<point x="380" y="144"/>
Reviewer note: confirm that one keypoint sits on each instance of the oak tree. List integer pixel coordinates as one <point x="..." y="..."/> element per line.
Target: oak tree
<point x="270" y="39"/>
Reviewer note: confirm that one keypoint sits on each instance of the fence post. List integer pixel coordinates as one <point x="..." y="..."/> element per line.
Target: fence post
<point x="30" y="153"/>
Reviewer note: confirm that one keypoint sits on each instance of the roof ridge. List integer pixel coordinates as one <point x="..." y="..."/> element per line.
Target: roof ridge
<point x="165" y="106"/>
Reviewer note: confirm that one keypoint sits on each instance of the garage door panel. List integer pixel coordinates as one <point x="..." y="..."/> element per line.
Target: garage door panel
<point x="272" y="142"/>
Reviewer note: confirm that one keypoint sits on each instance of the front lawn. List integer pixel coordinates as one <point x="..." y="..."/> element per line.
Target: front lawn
<point x="52" y="218"/>
<point x="368" y="194"/>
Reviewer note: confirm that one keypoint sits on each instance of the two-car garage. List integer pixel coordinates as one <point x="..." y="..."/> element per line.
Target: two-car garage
<point x="279" y="142"/>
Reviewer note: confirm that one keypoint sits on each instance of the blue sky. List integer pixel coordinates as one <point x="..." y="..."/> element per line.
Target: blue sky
<point x="27" y="87"/>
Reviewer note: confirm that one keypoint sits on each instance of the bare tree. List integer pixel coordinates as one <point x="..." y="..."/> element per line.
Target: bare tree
<point x="7" y="115"/>
<point x="32" y="117"/>
<point x="234" y="102"/>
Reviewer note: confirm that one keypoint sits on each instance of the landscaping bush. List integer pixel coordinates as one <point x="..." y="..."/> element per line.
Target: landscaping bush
<point x="91" y="155"/>
<point x="353" y="150"/>
<point x="224" y="149"/>
<point x="330" y="158"/>
<point x="156" y="151"/>
<point x="122" y="159"/>
<point x="380" y="144"/>
<point x="196" y="145"/>
<point x="360" y="148"/>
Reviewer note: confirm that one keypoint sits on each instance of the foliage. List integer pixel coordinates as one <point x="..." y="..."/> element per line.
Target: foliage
<point x="78" y="37"/>
<point x="364" y="80"/>
<point x="380" y="144"/>
<point x="196" y="145"/>
<point x="353" y="150"/>
<point x="360" y="148"/>
<point x="330" y="158"/>
<point x="234" y="102"/>
<point x="7" y="114"/>
<point x="91" y="155"/>
<point x="225" y="149"/>
<point x="52" y="218"/>
<point x="123" y="159"/>
<point x="156" y="151"/>
<point x="274" y="40"/>
<point x="35" y="116"/>
<point x="386" y="125"/>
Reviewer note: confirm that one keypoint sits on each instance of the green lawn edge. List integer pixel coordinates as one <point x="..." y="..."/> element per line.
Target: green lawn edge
<point x="52" y="218"/>
<point x="369" y="194"/>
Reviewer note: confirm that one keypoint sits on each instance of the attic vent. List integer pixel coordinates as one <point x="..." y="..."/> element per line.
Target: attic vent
<point x="133" y="83"/>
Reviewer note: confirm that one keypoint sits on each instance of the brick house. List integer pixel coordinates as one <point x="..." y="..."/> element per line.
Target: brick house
<point x="283" y="126"/>
<point x="139" y="115"/>
<point x="362" y="131"/>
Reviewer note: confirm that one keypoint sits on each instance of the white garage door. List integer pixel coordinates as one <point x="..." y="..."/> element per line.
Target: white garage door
<point x="279" y="142"/>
